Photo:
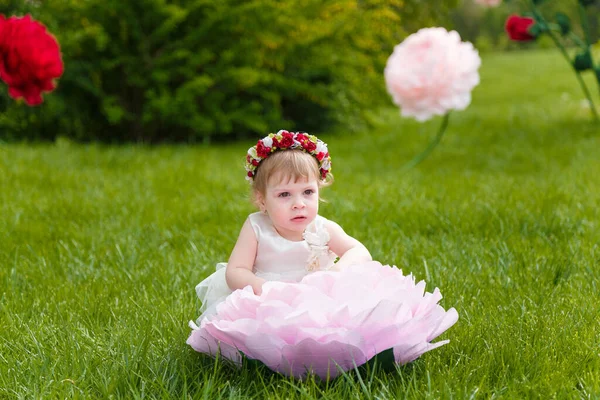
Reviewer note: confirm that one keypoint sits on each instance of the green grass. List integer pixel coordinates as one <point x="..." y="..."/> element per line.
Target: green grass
<point x="100" y="249"/>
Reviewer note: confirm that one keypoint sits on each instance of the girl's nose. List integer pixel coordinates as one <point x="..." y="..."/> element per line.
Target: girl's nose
<point x="298" y="204"/>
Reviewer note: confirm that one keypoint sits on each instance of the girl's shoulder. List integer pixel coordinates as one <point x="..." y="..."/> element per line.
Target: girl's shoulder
<point x="321" y="218"/>
<point x="260" y="223"/>
<point x="334" y="230"/>
<point x="257" y="217"/>
<point x="322" y="223"/>
<point x="327" y="223"/>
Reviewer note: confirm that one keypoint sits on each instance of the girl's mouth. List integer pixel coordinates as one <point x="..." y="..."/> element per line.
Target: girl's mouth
<point x="297" y="219"/>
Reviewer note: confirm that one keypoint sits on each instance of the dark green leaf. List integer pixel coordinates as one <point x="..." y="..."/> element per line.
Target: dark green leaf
<point x="564" y="22"/>
<point x="583" y="61"/>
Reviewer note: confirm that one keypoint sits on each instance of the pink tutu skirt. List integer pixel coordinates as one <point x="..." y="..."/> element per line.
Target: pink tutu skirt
<point x="327" y="323"/>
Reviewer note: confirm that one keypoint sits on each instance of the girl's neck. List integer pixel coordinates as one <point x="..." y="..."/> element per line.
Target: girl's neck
<point x="292" y="236"/>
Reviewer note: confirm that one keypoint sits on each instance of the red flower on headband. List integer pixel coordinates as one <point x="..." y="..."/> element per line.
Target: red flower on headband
<point x="287" y="140"/>
<point x="262" y="150"/>
<point x="29" y="58"/>
<point x="301" y="137"/>
<point x="308" y="145"/>
<point x="519" y="28"/>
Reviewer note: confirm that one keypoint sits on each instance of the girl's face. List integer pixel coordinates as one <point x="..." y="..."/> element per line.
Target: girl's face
<point x="291" y="205"/>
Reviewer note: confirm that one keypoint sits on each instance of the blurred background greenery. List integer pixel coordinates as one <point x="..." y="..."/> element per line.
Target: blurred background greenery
<point x="203" y="70"/>
<point x="484" y="27"/>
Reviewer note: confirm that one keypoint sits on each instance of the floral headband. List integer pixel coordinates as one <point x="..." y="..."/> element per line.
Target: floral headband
<point x="284" y="140"/>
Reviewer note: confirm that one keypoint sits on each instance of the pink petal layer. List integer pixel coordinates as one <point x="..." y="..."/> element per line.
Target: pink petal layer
<point x="327" y="323"/>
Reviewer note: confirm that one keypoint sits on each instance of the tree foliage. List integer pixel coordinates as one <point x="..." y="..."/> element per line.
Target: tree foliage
<point x="155" y="70"/>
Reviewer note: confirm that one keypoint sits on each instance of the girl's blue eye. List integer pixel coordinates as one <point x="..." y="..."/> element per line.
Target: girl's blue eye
<point x="308" y="191"/>
<point x="284" y="194"/>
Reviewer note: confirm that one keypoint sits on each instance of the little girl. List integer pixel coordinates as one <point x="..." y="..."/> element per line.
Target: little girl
<point x="287" y="239"/>
<point x="283" y="263"/>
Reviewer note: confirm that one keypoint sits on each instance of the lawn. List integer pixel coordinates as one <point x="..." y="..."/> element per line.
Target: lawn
<point x="101" y="247"/>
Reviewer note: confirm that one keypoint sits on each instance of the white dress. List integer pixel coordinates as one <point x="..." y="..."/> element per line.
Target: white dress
<point x="277" y="259"/>
<point x="323" y="322"/>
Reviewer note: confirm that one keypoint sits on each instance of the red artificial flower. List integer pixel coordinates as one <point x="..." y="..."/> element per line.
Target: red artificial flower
<point x="308" y="145"/>
<point x="287" y="140"/>
<point x="518" y="28"/>
<point x="262" y="150"/>
<point x="301" y="137"/>
<point x="30" y="58"/>
<point x="255" y="162"/>
<point x="320" y="156"/>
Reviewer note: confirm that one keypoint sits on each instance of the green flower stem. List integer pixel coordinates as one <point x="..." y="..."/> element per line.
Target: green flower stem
<point x="578" y="40"/>
<point x="556" y="28"/>
<point x="584" y="24"/>
<point x="436" y="140"/>
<point x="563" y="51"/>
<point x="586" y="30"/>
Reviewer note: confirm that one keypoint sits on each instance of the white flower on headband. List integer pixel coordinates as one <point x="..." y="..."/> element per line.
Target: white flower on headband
<point x="321" y="147"/>
<point x="252" y="153"/>
<point x="268" y="142"/>
<point x="284" y="140"/>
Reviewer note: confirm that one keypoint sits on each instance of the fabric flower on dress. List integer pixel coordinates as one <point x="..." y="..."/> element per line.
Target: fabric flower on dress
<point x="327" y="323"/>
<point x="431" y="73"/>
<point x="30" y="59"/>
<point x="317" y="237"/>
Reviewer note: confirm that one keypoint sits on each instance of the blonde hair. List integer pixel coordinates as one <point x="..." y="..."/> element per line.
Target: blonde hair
<point x="287" y="165"/>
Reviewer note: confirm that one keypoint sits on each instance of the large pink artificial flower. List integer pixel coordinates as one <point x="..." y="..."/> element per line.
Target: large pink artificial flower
<point x="328" y="323"/>
<point x="488" y="3"/>
<point x="432" y="72"/>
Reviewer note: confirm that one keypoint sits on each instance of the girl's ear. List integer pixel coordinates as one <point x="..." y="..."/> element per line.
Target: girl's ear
<point x="259" y="200"/>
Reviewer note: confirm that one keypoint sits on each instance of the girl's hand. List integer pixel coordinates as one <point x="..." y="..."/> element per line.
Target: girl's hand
<point x="343" y="263"/>
<point x="257" y="286"/>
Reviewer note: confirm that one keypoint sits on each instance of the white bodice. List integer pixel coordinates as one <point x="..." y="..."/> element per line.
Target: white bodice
<point x="281" y="259"/>
<point x="277" y="259"/>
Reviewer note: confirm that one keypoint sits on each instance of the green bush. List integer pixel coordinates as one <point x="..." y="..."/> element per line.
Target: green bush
<point x="196" y="70"/>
